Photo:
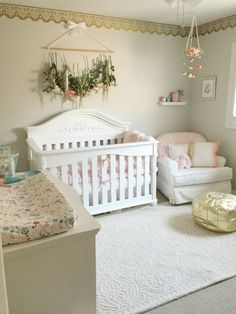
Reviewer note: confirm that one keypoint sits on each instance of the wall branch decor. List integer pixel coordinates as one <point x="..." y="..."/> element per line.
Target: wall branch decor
<point x="76" y="83"/>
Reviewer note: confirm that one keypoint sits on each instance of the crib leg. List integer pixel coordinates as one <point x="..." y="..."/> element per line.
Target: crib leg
<point x="154" y="203"/>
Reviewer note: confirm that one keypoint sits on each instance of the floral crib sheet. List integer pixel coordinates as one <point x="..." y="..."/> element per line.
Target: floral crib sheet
<point x="32" y="209"/>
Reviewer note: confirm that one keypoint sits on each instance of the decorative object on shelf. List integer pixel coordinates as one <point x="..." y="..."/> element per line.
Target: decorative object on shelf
<point x="181" y="94"/>
<point x="75" y="85"/>
<point x="163" y="99"/>
<point x="177" y="95"/>
<point x="208" y="88"/>
<point x="174" y="97"/>
<point x="193" y="52"/>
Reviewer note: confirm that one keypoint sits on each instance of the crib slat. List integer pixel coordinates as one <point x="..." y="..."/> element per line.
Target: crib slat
<point x="130" y="176"/>
<point x="66" y="145"/>
<point x="153" y="174"/>
<point x="122" y="177"/>
<point x="53" y="171"/>
<point x="146" y="175"/>
<point x="138" y="176"/>
<point x="85" y="182"/>
<point x="64" y="174"/>
<point x="90" y="143"/>
<point x="82" y="144"/>
<point x="75" y="176"/>
<point x="113" y="177"/>
<point x="95" y="180"/>
<point x="104" y="179"/>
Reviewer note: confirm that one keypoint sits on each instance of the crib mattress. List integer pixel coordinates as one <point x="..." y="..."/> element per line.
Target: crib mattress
<point x="32" y="209"/>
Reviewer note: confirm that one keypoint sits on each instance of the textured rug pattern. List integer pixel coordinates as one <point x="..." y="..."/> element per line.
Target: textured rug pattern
<point x="149" y="256"/>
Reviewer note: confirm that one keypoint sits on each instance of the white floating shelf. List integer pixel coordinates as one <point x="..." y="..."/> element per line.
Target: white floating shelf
<point x="172" y="103"/>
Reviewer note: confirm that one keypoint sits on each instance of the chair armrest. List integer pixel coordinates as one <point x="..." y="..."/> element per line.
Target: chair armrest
<point x="169" y="163"/>
<point x="221" y="161"/>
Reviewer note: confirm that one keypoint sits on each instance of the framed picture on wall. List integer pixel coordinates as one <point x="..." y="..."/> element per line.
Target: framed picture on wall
<point x="209" y="88"/>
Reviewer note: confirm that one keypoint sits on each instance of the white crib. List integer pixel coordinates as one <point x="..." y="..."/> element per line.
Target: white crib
<point x="85" y="149"/>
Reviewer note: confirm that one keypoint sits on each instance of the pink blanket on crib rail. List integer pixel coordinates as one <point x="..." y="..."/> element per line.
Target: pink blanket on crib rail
<point x="104" y="163"/>
<point x="104" y="170"/>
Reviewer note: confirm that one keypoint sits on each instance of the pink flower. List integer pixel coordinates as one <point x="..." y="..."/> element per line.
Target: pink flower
<point x="192" y="52"/>
<point x="198" y="66"/>
<point x="70" y="93"/>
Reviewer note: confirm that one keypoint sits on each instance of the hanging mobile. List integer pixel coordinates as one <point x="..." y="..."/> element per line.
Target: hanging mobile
<point x="192" y="52"/>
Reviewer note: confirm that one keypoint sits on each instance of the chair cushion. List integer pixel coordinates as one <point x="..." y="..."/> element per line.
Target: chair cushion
<point x="199" y="175"/>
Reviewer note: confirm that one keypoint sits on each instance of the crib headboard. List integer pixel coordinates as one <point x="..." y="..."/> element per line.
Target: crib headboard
<point x="77" y="128"/>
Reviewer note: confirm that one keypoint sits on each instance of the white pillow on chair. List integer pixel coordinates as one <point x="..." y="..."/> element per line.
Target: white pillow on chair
<point x="203" y="154"/>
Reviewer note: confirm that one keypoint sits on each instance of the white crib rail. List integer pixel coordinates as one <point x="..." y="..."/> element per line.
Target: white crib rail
<point x="121" y="175"/>
<point x="48" y="144"/>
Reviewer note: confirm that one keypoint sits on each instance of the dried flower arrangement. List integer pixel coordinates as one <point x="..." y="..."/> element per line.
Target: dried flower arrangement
<point x="78" y="83"/>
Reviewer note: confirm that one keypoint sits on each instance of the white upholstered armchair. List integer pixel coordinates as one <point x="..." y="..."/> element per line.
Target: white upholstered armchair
<point x="182" y="185"/>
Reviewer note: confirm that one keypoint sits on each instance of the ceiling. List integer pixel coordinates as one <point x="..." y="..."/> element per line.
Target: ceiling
<point x="148" y="10"/>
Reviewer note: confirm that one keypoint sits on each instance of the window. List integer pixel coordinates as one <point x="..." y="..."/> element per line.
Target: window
<point x="230" y="119"/>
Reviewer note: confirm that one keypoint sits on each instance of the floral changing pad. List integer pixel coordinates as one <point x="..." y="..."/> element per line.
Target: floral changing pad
<point x="33" y="209"/>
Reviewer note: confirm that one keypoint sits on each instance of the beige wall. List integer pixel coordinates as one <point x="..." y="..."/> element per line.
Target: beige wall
<point x="147" y="66"/>
<point x="208" y="117"/>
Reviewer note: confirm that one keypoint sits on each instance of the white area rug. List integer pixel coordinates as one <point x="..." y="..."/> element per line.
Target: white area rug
<point x="149" y="256"/>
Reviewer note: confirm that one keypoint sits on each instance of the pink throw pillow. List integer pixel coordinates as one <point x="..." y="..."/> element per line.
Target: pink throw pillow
<point x="184" y="161"/>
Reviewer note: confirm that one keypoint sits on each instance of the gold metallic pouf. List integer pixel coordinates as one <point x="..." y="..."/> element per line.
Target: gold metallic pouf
<point x="215" y="211"/>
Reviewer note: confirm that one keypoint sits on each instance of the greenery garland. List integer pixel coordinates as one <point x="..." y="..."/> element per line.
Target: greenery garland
<point x="74" y="87"/>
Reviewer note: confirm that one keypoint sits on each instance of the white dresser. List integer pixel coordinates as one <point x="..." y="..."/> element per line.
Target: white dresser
<point x="55" y="275"/>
